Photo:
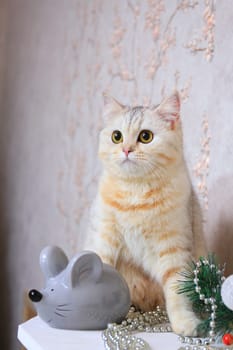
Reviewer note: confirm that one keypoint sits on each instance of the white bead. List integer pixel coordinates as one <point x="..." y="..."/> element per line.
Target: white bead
<point x="212" y="324"/>
<point x="190" y="341"/>
<point x="181" y="339"/>
<point x="110" y="325"/>
<point x="213" y="315"/>
<point x="214" y="307"/>
<point x="211" y="333"/>
<point x="212" y="300"/>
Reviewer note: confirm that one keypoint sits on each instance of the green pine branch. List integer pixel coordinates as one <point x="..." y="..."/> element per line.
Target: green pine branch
<point x="210" y="279"/>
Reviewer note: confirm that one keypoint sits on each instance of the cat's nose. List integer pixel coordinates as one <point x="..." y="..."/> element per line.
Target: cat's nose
<point x="35" y="296"/>
<point x="127" y="151"/>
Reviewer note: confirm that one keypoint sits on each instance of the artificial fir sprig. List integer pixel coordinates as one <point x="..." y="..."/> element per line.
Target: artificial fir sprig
<point x="201" y="282"/>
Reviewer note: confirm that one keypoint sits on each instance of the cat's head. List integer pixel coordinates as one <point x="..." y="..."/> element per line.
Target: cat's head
<point x="141" y="141"/>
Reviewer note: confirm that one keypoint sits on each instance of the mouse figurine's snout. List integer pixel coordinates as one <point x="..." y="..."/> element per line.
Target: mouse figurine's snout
<point x="35" y="295"/>
<point x="81" y="294"/>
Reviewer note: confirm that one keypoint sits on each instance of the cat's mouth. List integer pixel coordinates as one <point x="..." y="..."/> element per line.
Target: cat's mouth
<point x="127" y="160"/>
<point x="128" y="164"/>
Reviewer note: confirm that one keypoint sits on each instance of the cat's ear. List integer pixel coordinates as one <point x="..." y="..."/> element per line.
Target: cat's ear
<point x="111" y="105"/>
<point x="169" y="109"/>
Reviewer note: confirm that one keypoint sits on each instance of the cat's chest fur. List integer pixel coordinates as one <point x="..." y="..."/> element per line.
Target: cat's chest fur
<point x="147" y="211"/>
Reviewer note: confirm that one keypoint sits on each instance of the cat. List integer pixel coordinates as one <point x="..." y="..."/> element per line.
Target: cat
<point x="145" y="220"/>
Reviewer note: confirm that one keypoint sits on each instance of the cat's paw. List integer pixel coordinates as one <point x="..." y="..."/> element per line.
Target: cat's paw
<point x="185" y="324"/>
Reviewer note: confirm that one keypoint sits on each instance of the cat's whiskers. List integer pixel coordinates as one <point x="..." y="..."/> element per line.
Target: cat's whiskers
<point x="151" y="167"/>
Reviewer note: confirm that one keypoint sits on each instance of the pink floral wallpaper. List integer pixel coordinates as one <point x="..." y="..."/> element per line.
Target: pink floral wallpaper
<point x="56" y="59"/>
<point x="135" y="50"/>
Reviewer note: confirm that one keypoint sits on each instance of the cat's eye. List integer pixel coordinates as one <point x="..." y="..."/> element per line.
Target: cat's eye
<point x="117" y="136"/>
<point x="145" y="136"/>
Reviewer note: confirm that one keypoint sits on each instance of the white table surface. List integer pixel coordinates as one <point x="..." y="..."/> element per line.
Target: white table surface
<point x="37" y="335"/>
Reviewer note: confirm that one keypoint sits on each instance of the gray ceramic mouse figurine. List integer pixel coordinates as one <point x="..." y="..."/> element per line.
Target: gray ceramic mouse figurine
<point x="81" y="294"/>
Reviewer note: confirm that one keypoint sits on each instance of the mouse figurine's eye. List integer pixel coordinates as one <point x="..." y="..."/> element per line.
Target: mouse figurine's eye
<point x="145" y="136"/>
<point x="117" y="136"/>
<point x="52" y="290"/>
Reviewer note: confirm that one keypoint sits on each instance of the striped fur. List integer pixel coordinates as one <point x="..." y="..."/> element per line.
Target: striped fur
<point x="143" y="217"/>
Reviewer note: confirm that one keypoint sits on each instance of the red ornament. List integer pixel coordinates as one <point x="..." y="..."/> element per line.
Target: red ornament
<point x="227" y="339"/>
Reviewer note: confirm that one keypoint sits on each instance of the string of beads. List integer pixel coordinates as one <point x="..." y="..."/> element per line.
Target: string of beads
<point x="122" y="336"/>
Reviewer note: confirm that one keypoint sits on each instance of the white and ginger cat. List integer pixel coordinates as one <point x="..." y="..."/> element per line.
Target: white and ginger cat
<point x="143" y="219"/>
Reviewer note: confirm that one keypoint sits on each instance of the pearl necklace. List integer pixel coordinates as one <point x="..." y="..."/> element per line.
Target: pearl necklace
<point x="120" y="337"/>
<point x="208" y="301"/>
<point x="206" y="343"/>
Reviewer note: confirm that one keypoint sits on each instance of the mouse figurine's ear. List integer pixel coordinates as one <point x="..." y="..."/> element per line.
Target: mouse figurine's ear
<point x="85" y="267"/>
<point x="52" y="261"/>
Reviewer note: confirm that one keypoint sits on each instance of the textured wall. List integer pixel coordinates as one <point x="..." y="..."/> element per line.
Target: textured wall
<point x="4" y="278"/>
<point x="60" y="55"/>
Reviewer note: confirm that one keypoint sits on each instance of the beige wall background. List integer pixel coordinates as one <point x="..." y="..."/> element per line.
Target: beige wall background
<point x="56" y="58"/>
